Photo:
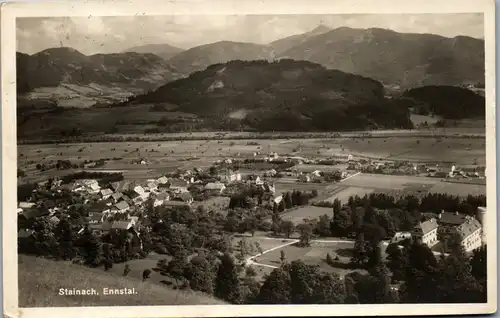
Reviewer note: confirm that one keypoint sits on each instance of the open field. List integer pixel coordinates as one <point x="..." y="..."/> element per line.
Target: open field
<point x="344" y="194"/>
<point x="305" y="212"/>
<point x="308" y="168"/>
<point x="314" y="255"/>
<point x="381" y="183"/>
<point x="40" y="279"/>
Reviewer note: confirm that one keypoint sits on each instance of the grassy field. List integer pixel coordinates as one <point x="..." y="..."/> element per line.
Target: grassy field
<point x="40" y="280"/>
<point x="344" y="194"/>
<point x="306" y="212"/>
<point x="314" y="255"/>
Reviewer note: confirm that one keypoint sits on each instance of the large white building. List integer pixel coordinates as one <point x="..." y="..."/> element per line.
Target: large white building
<point x="426" y="232"/>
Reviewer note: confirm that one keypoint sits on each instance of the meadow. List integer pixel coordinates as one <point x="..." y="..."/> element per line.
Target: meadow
<point x="40" y="280"/>
<point x="315" y="255"/>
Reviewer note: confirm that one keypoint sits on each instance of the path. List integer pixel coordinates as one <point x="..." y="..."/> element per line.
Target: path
<point x="250" y="260"/>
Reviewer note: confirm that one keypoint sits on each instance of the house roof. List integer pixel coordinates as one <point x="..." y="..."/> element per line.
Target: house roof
<point x="98" y="207"/>
<point x="450" y="218"/>
<point x="427" y="226"/>
<point x="117" y="195"/>
<point x="96" y="217"/>
<point x="122" y="205"/>
<point x="163" y="196"/>
<point x="178" y="183"/>
<point x="106" y="192"/>
<point x="470" y="226"/>
<point x="186" y="196"/>
<point x="152" y="184"/>
<point x="33" y="213"/>
<point x="26" y="205"/>
<point x="175" y="203"/>
<point x="215" y="186"/>
<point x="121" y="225"/>
<point x="162" y="180"/>
<point x="94" y="186"/>
<point x="139" y="189"/>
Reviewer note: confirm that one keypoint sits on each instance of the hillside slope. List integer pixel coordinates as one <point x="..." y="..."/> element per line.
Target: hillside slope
<point x="165" y="51"/>
<point x="199" y="57"/>
<point x="40" y="280"/>
<point x="449" y="102"/>
<point x="408" y="60"/>
<point x="282" y="45"/>
<point x="64" y="75"/>
<point x="282" y="95"/>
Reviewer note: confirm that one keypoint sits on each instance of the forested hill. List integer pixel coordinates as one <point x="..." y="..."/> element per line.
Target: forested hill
<point x="282" y="95"/>
<point x="449" y="102"/>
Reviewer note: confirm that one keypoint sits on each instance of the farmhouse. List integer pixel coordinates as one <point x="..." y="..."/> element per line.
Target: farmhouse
<point x="99" y="207"/>
<point x="26" y="205"/>
<point x="160" y="199"/>
<point x="106" y="193"/>
<point x="229" y="176"/>
<point x="401" y="236"/>
<point x="426" y="232"/>
<point x="120" y="207"/>
<point x="217" y="187"/>
<point x="470" y="232"/>
<point x="178" y="185"/>
<point x="468" y="228"/>
<point x="116" y="196"/>
<point x="162" y="180"/>
<point x="185" y="197"/>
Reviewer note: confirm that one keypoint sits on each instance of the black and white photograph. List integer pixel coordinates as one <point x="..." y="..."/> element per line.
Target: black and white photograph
<point x="199" y="159"/>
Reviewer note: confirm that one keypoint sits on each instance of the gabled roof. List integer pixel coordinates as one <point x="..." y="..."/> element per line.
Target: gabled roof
<point x="98" y="207"/>
<point x="186" y="196"/>
<point x="427" y="226"/>
<point x="178" y="183"/>
<point x="449" y="218"/>
<point x="122" y="205"/>
<point x="26" y="205"/>
<point x="96" y="217"/>
<point x="215" y="186"/>
<point x="117" y="195"/>
<point x="94" y="186"/>
<point x="470" y="226"/>
<point x="106" y="192"/>
<point x="122" y="225"/>
<point x="152" y="185"/>
<point x="163" y="196"/>
<point x="34" y="213"/>
<point x="162" y="180"/>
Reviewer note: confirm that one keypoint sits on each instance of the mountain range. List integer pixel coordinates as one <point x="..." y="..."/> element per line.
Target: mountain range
<point x="66" y="76"/>
<point x="165" y="51"/>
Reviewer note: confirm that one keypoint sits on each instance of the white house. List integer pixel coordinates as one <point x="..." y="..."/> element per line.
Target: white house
<point x="229" y="177"/>
<point x="26" y="205"/>
<point x="162" y="180"/>
<point x="470" y="231"/>
<point x="218" y="187"/>
<point x="400" y="236"/>
<point x="120" y="207"/>
<point x="161" y="198"/>
<point x="106" y="193"/>
<point x="426" y="232"/>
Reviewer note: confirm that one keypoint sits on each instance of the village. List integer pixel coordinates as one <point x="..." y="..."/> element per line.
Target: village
<point x="124" y="205"/>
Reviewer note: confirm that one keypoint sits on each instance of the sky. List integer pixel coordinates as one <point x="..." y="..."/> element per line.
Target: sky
<point x="91" y="35"/>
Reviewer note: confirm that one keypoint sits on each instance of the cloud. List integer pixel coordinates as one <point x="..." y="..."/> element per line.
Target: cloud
<point x="114" y="34"/>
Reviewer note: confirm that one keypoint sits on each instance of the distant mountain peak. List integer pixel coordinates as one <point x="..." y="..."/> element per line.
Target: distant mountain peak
<point x="320" y="29"/>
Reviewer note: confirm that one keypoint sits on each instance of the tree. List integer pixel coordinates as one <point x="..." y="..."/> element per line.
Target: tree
<point x="287" y="228"/>
<point x="227" y="284"/>
<point x="337" y="205"/>
<point x="305" y="231"/>
<point x="329" y="259"/>
<point x="322" y="227"/>
<point x="200" y="275"/>
<point x="276" y="288"/>
<point x="146" y="273"/>
<point x="282" y="257"/>
<point x="65" y="237"/>
<point x="126" y="270"/>
<point x="361" y="252"/>
<point x="288" y="200"/>
<point x="176" y="267"/>
<point x="341" y="224"/>
<point x="90" y="247"/>
<point x="397" y="262"/>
